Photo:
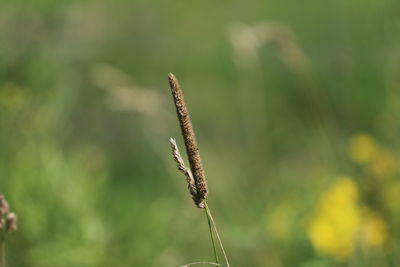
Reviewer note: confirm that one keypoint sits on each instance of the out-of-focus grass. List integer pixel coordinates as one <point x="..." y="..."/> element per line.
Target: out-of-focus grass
<point x="282" y="112"/>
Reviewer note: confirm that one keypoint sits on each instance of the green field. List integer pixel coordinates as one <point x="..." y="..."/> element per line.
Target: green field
<point x="296" y="107"/>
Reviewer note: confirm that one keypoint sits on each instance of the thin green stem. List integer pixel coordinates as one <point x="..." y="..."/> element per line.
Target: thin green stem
<point x="201" y="262"/>
<point x="212" y="237"/>
<point x="2" y="250"/>
<point x="216" y="232"/>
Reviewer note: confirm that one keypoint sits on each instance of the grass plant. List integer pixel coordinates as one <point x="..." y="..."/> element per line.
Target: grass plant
<point x="8" y="223"/>
<point x="195" y="175"/>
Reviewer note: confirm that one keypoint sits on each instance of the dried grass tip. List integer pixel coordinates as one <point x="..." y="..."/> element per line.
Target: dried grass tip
<point x="192" y="150"/>
<point x="8" y="220"/>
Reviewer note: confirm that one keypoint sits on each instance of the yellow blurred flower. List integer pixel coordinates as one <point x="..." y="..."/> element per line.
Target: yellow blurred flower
<point x="380" y="162"/>
<point x="392" y="197"/>
<point x="339" y="222"/>
<point x="374" y="230"/>
<point x="362" y="148"/>
<point x="334" y="226"/>
<point x="384" y="164"/>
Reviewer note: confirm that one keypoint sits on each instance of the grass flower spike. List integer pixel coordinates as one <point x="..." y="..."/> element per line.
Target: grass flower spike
<point x="192" y="149"/>
<point x="195" y="175"/>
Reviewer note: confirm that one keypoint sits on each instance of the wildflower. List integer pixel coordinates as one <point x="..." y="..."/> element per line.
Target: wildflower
<point x="333" y="229"/>
<point x="384" y="164"/>
<point x="363" y="148"/>
<point x="392" y="197"/>
<point x="374" y="230"/>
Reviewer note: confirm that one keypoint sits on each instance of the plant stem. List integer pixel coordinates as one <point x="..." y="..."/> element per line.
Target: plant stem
<point x="201" y="262"/>
<point x="2" y="251"/>
<point x="216" y="232"/>
<point x="212" y="236"/>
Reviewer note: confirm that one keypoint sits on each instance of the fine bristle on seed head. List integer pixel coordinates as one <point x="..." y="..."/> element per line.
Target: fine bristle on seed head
<point x="186" y="171"/>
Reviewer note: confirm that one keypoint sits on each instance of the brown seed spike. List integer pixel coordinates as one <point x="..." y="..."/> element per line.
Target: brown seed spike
<point x="192" y="149"/>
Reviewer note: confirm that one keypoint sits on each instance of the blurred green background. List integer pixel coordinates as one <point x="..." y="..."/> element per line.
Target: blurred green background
<point x="295" y="106"/>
